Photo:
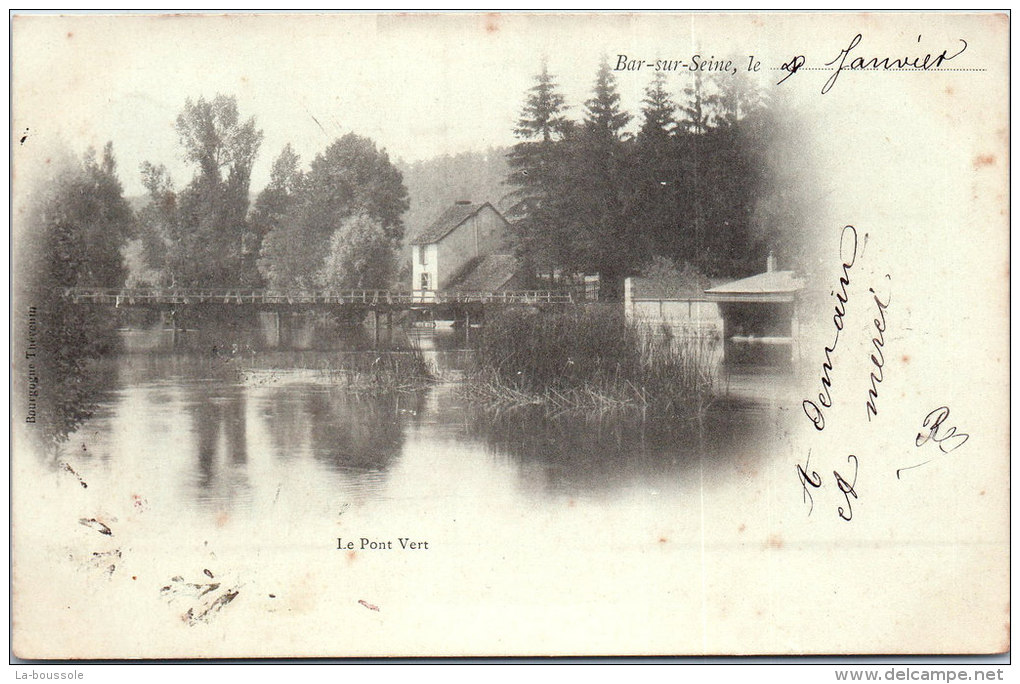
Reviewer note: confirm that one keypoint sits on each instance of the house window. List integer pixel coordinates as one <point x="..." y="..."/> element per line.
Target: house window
<point x="424" y="281"/>
<point x="422" y="255"/>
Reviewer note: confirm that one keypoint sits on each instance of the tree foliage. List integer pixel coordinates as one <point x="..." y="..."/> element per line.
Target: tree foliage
<point x="360" y="256"/>
<point x="542" y="116"/>
<point x="603" y="116"/>
<point x="698" y="184"/>
<point x="269" y="217"/>
<point x="74" y="232"/>
<point x="537" y="167"/>
<point x="349" y="178"/>
<point x="200" y="235"/>
<point x="659" y="111"/>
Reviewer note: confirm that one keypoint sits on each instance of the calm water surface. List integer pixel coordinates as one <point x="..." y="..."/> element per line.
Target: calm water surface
<point x="219" y="429"/>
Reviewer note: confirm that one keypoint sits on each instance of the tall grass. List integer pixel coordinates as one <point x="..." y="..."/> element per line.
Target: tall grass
<point x="591" y="360"/>
<point x="359" y="372"/>
<point x="387" y="371"/>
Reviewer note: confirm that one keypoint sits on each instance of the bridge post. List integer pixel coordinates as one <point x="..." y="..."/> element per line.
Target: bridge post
<point x="270" y="321"/>
<point x="169" y="318"/>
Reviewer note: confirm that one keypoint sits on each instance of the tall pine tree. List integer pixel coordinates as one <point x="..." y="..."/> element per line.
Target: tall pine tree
<point x="542" y="116"/>
<point x="536" y="174"/>
<point x="659" y="111"/>
<point x="694" y="113"/>
<point x="662" y="176"/>
<point x="603" y="191"/>
<point x="603" y="116"/>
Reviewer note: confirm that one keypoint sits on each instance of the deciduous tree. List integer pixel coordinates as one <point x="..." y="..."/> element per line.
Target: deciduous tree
<point x="200" y="234"/>
<point x="73" y="235"/>
<point x="350" y="177"/>
<point x="361" y="256"/>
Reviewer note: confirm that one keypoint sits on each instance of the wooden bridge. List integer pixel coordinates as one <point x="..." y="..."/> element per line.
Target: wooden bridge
<point x="378" y="300"/>
<point x="274" y="306"/>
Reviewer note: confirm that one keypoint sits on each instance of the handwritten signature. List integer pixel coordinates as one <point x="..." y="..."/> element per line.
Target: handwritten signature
<point x="944" y="436"/>
<point x="926" y="62"/>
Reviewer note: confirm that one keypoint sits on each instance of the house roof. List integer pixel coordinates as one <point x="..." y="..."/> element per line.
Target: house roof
<point x="771" y="286"/>
<point x="447" y="221"/>
<point x="490" y="274"/>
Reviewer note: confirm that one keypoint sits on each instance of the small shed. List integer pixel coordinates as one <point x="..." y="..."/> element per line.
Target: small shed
<point x="759" y="316"/>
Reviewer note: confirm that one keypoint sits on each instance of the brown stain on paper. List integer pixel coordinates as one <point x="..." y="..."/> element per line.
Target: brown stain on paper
<point x="984" y="160"/>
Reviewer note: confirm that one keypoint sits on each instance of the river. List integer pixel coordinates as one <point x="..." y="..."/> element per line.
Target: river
<point x="220" y="464"/>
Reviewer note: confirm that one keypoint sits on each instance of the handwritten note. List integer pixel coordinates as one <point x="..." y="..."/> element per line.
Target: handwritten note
<point x="851" y="249"/>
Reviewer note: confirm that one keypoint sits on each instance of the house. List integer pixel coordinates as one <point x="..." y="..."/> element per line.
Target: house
<point x="466" y="248"/>
<point x="759" y="314"/>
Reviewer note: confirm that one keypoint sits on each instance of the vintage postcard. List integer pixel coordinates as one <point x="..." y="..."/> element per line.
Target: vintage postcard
<point x="512" y="334"/>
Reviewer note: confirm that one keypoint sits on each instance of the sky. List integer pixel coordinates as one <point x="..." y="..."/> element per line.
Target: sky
<point x="424" y="85"/>
<point x="419" y="85"/>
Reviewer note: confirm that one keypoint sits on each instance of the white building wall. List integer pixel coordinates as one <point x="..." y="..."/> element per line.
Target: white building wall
<point x="682" y="315"/>
<point x="429" y="267"/>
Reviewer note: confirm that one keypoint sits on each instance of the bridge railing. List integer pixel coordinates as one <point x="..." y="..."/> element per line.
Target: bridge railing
<point x="152" y="296"/>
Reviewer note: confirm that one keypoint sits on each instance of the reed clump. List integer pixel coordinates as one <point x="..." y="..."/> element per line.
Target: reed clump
<point x="379" y="372"/>
<point x="592" y="361"/>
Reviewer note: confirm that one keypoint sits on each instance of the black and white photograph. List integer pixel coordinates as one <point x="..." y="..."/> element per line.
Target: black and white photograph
<point x="509" y="335"/>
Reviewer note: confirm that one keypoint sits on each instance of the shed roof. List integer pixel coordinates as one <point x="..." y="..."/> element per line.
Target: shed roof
<point x="771" y="286"/>
<point x="490" y="274"/>
<point x="447" y="221"/>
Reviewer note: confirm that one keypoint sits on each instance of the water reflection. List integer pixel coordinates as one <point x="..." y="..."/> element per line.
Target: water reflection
<point x="345" y="433"/>
<point x="223" y="431"/>
<point x="569" y="454"/>
<point x="257" y="333"/>
<point x="220" y="435"/>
